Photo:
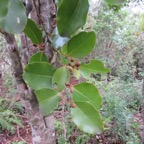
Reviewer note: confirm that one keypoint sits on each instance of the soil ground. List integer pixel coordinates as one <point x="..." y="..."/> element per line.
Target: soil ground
<point x="21" y="134"/>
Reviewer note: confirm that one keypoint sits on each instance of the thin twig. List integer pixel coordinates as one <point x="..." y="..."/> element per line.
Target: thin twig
<point x="19" y="134"/>
<point x="3" y="53"/>
<point x="21" y="116"/>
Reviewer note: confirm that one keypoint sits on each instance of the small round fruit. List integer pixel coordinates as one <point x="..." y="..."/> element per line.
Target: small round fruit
<point x="72" y="59"/>
<point x="77" y="64"/>
<point x="73" y="105"/>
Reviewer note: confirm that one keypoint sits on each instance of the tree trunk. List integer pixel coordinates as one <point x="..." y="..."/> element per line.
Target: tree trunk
<point x="40" y="133"/>
<point x="143" y="110"/>
<point x="43" y="131"/>
<point x="44" y="14"/>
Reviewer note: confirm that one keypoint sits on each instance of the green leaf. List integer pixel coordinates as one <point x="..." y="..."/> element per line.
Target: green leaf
<point x="115" y="2"/>
<point x="87" y="118"/>
<point x="64" y="50"/>
<point x="3" y="8"/>
<point x="87" y="92"/>
<point x="38" y="75"/>
<point x="76" y="74"/>
<point x="85" y="74"/>
<point x="15" y="20"/>
<point x="64" y="60"/>
<point x="86" y="115"/>
<point x="61" y="77"/>
<point x="81" y="45"/>
<point x="48" y="100"/>
<point x="38" y="57"/>
<point x="33" y="32"/>
<point x="71" y="16"/>
<point x="94" y="66"/>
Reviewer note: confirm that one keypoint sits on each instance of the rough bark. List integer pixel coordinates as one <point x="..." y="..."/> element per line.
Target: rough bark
<point x="44" y="14"/>
<point x="143" y="109"/>
<point x="43" y="131"/>
<point x="41" y="134"/>
<point x="15" y="58"/>
<point x="47" y="12"/>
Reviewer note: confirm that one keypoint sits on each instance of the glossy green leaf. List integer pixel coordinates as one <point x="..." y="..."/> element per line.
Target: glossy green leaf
<point x="71" y="16"/>
<point x="94" y="66"/>
<point x="81" y="45"/>
<point x="76" y="74"/>
<point x="115" y="2"/>
<point x="4" y="4"/>
<point x="64" y="60"/>
<point x="33" y="32"/>
<point x="15" y="20"/>
<point x="38" y="75"/>
<point x="61" y="77"/>
<point x="87" y="118"/>
<point x="87" y="92"/>
<point x="38" y="57"/>
<point x="85" y="74"/>
<point x="64" y="50"/>
<point x="48" y="100"/>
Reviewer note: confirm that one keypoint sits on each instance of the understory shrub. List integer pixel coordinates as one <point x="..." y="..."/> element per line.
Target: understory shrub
<point x="8" y="115"/>
<point x="121" y="101"/>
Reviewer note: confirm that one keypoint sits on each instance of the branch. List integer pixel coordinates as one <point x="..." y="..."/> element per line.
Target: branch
<point x="19" y="135"/>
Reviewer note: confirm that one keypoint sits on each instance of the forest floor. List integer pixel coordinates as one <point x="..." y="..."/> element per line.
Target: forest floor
<point x="24" y="135"/>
